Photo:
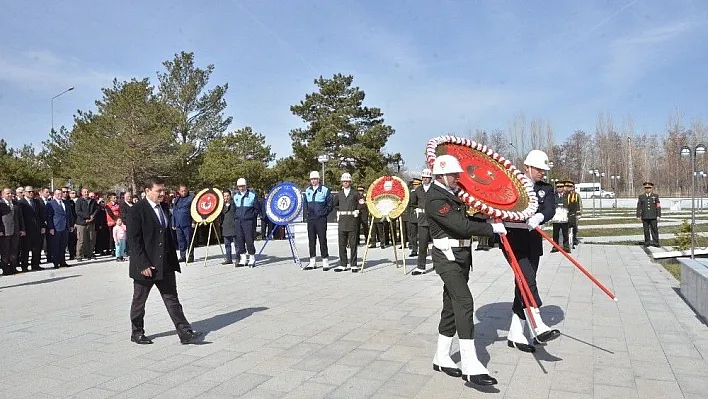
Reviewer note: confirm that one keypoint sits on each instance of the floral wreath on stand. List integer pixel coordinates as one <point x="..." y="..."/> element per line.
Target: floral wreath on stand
<point x="387" y="197"/>
<point x="489" y="183"/>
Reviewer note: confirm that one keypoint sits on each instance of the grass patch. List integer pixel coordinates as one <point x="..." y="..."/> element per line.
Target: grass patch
<point x="629" y="231"/>
<point x="701" y="242"/>
<point x="673" y="267"/>
<point x="601" y="221"/>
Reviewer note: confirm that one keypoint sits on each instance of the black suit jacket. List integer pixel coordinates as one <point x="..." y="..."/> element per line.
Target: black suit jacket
<point x="150" y="244"/>
<point x="35" y="218"/>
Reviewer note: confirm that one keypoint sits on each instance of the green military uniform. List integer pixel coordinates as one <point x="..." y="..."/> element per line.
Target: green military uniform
<point x="346" y="205"/>
<point x="418" y="203"/>
<point x="379" y="233"/>
<point x="450" y="224"/>
<point x="402" y="228"/>
<point x="363" y="214"/>
<point x="649" y="211"/>
<point x="413" y="220"/>
<point x="575" y="209"/>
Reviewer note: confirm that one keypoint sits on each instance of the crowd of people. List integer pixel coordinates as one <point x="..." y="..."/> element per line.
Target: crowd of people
<point x="43" y="227"/>
<point x="62" y="224"/>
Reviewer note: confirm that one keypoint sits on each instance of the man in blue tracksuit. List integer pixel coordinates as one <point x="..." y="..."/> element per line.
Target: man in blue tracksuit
<point x="247" y="208"/>
<point x="318" y="205"/>
<point x="182" y="222"/>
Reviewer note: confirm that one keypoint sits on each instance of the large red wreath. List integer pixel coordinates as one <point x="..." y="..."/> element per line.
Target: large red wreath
<point x="489" y="182"/>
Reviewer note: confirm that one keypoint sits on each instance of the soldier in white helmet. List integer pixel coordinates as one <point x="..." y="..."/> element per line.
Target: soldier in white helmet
<point x="451" y="229"/>
<point x="318" y="205"/>
<point x="526" y="243"/>
<point x="346" y="203"/>
<point x="417" y="202"/>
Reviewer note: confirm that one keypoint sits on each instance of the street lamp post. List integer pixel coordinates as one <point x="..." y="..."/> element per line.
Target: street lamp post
<point x="58" y="95"/>
<point x="703" y="176"/>
<point x="613" y="179"/>
<point x="687" y="151"/>
<point x="398" y="163"/>
<point x="550" y="168"/>
<point x="596" y="173"/>
<point x="323" y="159"/>
<point x="600" y="176"/>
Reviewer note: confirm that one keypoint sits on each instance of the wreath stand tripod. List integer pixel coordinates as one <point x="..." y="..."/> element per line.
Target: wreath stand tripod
<point x="291" y="240"/>
<point x="393" y="240"/>
<point x="194" y="235"/>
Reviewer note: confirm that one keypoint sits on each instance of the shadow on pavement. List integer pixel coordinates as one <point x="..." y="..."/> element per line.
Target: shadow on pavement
<point x="217" y="322"/>
<point x="497" y="316"/>
<point x="45" y="281"/>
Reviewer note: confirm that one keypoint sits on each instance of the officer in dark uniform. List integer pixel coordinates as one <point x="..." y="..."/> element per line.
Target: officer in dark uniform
<point x="526" y="243"/>
<point x="575" y="209"/>
<point x="400" y="224"/>
<point x="560" y="220"/>
<point x="379" y="233"/>
<point x="345" y="203"/>
<point x="649" y="212"/>
<point x="451" y="229"/>
<point x="413" y="221"/>
<point x="417" y="202"/>
<point x="363" y="215"/>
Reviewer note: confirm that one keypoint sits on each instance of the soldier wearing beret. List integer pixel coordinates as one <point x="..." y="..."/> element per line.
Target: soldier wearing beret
<point x="649" y="213"/>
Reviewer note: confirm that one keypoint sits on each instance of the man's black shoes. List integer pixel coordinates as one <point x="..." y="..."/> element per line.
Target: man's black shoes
<point x="191" y="337"/>
<point x="140" y="339"/>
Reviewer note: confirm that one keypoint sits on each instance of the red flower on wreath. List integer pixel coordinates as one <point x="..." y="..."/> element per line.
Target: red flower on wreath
<point x="388" y="186"/>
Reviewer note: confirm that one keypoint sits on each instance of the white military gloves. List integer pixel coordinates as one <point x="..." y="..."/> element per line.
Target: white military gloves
<point x="498" y="228"/>
<point x="535" y="221"/>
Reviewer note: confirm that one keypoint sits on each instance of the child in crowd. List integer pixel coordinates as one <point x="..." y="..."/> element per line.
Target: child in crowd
<point x="119" y="237"/>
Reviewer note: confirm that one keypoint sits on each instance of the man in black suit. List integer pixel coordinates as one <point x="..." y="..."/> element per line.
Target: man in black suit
<point x="153" y="261"/>
<point x="60" y="221"/>
<point x="35" y="224"/>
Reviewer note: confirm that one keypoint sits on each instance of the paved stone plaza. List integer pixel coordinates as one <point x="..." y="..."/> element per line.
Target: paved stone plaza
<point x="276" y="331"/>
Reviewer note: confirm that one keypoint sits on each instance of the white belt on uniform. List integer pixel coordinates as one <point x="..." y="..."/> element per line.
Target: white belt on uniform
<point x="451" y="242"/>
<point x="347" y="213"/>
<point x="446" y="244"/>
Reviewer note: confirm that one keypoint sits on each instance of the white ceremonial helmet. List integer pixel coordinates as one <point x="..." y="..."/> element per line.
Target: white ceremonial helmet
<point x="241" y="182"/>
<point x="426" y="173"/>
<point x="346" y="177"/>
<point x="445" y="164"/>
<point x="314" y="174"/>
<point x="538" y="159"/>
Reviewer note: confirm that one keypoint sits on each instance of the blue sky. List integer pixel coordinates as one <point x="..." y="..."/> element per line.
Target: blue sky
<point x="432" y="67"/>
